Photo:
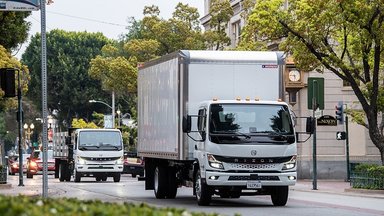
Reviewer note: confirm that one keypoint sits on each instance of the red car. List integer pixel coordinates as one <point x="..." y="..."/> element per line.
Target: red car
<point x="133" y="165"/>
<point x="13" y="164"/>
<point x="35" y="163"/>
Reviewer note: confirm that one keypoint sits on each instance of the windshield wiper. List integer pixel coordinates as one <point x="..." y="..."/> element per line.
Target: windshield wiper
<point x="110" y="145"/>
<point x="236" y="133"/>
<point x="273" y="134"/>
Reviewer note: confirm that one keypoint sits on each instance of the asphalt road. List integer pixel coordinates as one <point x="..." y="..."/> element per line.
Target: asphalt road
<point x="301" y="202"/>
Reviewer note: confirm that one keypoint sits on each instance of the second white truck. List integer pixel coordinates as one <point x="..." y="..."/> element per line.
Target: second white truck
<point x="215" y="120"/>
<point x="88" y="153"/>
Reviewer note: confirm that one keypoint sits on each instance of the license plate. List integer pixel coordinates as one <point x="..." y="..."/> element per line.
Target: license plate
<point x="253" y="184"/>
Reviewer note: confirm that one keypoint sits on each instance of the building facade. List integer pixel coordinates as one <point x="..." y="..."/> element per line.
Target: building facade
<point x="331" y="154"/>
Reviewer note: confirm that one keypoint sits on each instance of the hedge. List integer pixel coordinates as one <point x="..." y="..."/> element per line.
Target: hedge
<point x="32" y="206"/>
<point x="368" y="176"/>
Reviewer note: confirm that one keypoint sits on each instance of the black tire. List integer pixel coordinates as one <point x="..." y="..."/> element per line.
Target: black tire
<point x="29" y="175"/>
<point x="172" y="184"/>
<point x="203" y="192"/>
<point x="133" y="175"/>
<point x="279" y="195"/>
<point x="61" y="172"/>
<point x="67" y="174"/>
<point x="98" y="178"/>
<point x="104" y="178"/>
<point x="160" y="182"/>
<point x="76" y="176"/>
<point x="116" y="177"/>
<point x="57" y="169"/>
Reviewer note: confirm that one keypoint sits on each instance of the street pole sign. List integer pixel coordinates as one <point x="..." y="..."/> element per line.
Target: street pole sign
<point x="108" y="123"/>
<point x="19" y="5"/>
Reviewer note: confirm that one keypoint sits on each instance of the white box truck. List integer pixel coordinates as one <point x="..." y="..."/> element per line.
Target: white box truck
<point x="88" y="153"/>
<point x="214" y="120"/>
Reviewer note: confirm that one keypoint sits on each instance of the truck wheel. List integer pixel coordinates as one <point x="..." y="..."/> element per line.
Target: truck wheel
<point x="57" y="169"/>
<point x="76" y="175"/>
<point x="29" y="175"/>
<point x="203" y="192"/>
<point x="67" y="174"/>
<point x="279" y="195"/>
<point x="172" y="184"/>
<point x="116" y="177"/>
<point x="98" y="178"/>
<point x="160" y="182"/>
<point x="61" y="173"/>
<point x="104" y="178"/>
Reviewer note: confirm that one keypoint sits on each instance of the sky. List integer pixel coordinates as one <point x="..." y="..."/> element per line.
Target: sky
<point x="109" y="17"/>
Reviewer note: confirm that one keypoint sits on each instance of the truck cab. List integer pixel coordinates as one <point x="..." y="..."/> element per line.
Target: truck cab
<point x="89" y="153"/>
<point x="97" y="153"/>
<point x="244" y="147"/>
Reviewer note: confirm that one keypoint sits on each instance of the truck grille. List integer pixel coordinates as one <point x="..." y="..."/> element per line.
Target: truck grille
<point x="247" y="178"/>
<point x="251" y="166"/>
<point x="101" y="159"/>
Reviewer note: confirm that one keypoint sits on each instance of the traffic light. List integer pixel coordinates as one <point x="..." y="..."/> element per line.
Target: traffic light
<point x="7" y="80"/>
<point x="340" y="113"/>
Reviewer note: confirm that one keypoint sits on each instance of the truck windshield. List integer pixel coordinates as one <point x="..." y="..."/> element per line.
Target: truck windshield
<point x="100" y="140"/>
<point x="247" y="123"/>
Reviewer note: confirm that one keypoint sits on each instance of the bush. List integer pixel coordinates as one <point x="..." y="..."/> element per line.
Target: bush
<point x="368" y="176"/>
<point x="32" y="206"/>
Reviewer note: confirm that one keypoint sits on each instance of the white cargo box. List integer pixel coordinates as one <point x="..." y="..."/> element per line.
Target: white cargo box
<point x="172" y="87"/>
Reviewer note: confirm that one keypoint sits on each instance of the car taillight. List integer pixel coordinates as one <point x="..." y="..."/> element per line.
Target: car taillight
<point x="33" y="164"/>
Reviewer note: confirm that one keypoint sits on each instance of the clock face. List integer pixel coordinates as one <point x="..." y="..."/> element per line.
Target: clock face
<point x="294" y="75"/>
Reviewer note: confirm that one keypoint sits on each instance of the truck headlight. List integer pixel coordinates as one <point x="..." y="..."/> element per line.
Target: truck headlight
<point x="214" y="163"/>
<point x="120" y="161"/>
<point x="290" y="164"/>
<point x="80" y="160"/>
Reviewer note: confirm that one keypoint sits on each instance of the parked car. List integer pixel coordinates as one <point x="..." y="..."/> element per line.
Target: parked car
<point x="35" y="163"/>
<point x="133" y="165"/>
<point x="13" y="164"/>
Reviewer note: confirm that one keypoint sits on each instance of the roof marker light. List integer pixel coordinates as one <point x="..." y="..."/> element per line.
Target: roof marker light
<point x="279" y="100"/>
<point x="214" y="99"/>
<point x="257" y="99"/>
<point x="247" y="99"/>
<point x="238" y="99"/>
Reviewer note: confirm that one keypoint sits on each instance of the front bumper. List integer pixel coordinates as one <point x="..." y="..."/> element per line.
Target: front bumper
<point x="214" y="178"/>
<point x="97" y="168"/>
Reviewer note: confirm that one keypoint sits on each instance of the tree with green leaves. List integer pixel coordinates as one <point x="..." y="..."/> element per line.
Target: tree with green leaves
<point x="13" y="29"/>
<point x="221" y="12"/>
<point x="69" y="85"/>
<point x="343" y="36"/>
<point x="116" y="66"/>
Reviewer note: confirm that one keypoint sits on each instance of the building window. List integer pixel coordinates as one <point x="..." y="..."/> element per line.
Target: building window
<point x="236" y="31"/>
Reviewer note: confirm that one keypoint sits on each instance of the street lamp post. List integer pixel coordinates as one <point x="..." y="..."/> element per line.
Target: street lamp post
<point x="28" y="130"/>
<point x="111" y="107"/>
<point x="118" y="117"/>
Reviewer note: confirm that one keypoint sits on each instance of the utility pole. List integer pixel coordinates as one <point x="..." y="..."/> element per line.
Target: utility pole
<point x="314" y="151"/>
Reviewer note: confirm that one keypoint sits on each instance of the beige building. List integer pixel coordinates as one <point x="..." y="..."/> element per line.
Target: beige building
<point x="331" y="153"/>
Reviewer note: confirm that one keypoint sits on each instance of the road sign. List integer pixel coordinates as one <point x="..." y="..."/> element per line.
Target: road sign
<point x="340" y="135"/>
<point x="108" y="121"/>
<point x="315" y="91"/>
<point x="327" y="120"/>
<point x="18" y="5"/>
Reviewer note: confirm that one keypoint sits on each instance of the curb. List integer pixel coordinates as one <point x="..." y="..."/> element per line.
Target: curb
<point x="365" y="191"/>
<point x="5" y="186"/>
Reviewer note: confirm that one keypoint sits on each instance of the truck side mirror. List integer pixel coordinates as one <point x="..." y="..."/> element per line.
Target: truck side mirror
<point x="310" y="125"/>
<point x="68" y="140"/>
<point x="187" y="124"/>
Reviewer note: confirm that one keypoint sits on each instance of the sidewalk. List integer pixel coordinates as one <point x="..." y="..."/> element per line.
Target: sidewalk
<point x="30" y="188"/>
<point x="336" y="187"/>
